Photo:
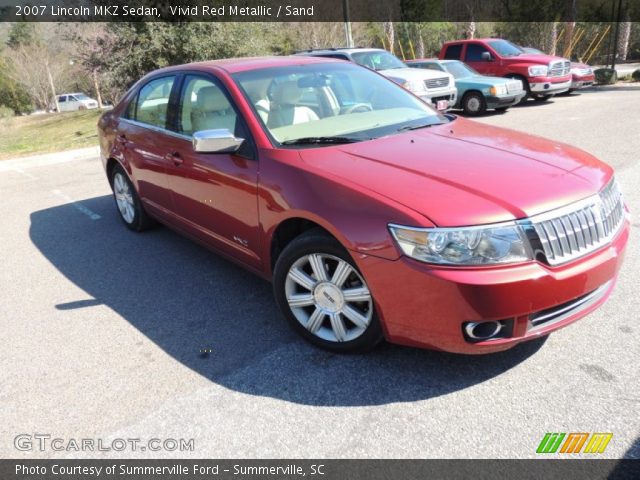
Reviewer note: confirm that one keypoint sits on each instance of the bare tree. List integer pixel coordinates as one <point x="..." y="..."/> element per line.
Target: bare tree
<point x="421" y="49"/>
<point x="390" y="34"/>
<point x="470" y="30"/>
<point x="38" y="69"/>
<point x="625" y="37"/>
<point x="92" y="43"/>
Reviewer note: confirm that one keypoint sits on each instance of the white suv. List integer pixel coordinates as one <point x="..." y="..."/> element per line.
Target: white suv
<point x="434" y="87"/>
<point x="70" y="102"/>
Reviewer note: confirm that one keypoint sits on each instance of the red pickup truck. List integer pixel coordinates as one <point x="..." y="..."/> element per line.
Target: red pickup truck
<point x="542" y="75"/>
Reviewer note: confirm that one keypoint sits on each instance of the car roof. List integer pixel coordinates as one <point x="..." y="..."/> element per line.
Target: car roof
<point x="467" y="40"/>
<point x="319" y="51"/>
<point x="235" y="65"/>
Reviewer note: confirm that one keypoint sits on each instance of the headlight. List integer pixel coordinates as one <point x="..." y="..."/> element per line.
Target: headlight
<point x="498" y="90"/>
<point x="483" y="245"/>
<point x="413" y="86"/>
<point x="538" y="71"/>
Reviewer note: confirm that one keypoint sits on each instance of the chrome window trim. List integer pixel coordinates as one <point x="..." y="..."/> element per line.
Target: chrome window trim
<point x="156" y="129"/>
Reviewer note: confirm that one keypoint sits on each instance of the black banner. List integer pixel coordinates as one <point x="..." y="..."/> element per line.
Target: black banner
<point x="318" y="469"/>
<point x="318" y="10"/>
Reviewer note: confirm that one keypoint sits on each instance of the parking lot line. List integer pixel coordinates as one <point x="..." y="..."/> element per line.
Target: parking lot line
<point x="78" y="206"/>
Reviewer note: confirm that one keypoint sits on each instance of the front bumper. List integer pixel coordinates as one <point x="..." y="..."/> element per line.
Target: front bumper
<point x="449" y="96"/>
<point x="578" y="82"/>
<point x="504" y="100"/>
<point x="549" y="85"/>
<point x="426" y="306"/>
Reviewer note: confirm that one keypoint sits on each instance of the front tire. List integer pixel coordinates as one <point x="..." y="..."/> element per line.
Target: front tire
<point x="474" y="104"/>
<point x="542" y="98"/>
<point x="324" y="296"/>
<point x="128" y="202"/>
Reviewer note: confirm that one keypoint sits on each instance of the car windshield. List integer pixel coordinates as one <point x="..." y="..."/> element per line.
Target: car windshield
<point x="81" y="96"/>
<point x="505" y="48"/>
<point x="377" y="60"/>
<point x="459" y="69"/>
<point x="331" y="103"/>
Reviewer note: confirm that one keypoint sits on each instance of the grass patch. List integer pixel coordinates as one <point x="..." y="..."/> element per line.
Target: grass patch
<point x="52" y="132"/>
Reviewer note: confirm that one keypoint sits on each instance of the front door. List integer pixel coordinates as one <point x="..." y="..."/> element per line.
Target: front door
<point x="215" y="194"/>
<point x="473" y="58"/>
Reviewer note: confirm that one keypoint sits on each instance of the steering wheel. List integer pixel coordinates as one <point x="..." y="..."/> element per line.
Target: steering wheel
<point x="358" y="108"/>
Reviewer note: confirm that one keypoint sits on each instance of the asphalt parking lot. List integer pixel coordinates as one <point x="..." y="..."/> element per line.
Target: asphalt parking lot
<point x="103" y="331"/>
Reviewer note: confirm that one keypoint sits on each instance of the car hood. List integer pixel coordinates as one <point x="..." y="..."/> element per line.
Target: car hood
<point x="417" y="74"/>
<point x="482" y="80"/>
<point x="466" y="173"/>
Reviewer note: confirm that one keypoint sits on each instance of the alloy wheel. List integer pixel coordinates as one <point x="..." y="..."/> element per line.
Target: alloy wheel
<point x="124" y="197"/>
<point x="329" y="297"/>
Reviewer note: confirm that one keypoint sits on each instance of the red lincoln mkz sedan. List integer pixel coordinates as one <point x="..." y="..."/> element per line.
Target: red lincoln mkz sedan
<point x="373" y="215"/>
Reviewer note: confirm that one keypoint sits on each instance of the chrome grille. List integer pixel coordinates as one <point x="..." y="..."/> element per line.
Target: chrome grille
<point x="582" y="228"/>
<point x="437" y="82"/>
<point x="514" y="86"/>
<point x="559" y="68"/>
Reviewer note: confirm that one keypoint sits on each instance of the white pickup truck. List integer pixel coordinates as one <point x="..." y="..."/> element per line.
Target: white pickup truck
<point x="432" y="86"/>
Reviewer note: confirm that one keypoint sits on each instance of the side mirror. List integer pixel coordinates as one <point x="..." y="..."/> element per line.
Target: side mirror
<point x="486" y="56"/>
<point x="216" y="141"/>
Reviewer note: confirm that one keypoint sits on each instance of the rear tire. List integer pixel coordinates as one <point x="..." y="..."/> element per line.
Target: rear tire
<point x="324" y="296"/>
<point x="128" y="202"/>
<point x="473" y="104"/>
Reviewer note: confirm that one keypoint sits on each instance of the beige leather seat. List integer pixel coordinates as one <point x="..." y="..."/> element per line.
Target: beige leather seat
<point x="212" y="110"/>
<point x="285" y="109"/>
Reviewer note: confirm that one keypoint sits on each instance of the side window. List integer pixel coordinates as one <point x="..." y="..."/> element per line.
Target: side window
<point x="153" y="102"/>
<point x="453" y="52"/>
<point x="433" y="66"/>
<point x="62" y="99"/>
<point x="204" y="106"/>
<point x="337" y="55"/>
<point x="474" y="52"/>
<point x="130" y="111"/>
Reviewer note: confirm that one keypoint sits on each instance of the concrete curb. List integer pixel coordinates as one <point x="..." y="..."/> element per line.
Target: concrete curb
<point x="49" y="158"/>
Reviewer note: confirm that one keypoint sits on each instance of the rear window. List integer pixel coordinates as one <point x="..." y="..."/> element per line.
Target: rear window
<point x="453" y="52"/>
<point x="153" y="102"/>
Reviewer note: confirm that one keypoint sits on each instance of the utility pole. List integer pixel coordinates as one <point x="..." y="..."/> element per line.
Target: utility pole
<point x="616" y="37"/>
<point x="347" y="23"/>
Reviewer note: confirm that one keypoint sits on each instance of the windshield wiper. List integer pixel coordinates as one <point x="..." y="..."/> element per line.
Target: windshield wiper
<point x="417" y="127"/>
<point x="320" y="140"/>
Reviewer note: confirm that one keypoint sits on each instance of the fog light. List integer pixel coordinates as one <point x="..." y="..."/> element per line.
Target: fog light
<point x="483" y="330"/>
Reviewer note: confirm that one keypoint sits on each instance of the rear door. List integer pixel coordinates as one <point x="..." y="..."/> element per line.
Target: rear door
<point x="215" y="194"/>
<point x="145" y="141"/>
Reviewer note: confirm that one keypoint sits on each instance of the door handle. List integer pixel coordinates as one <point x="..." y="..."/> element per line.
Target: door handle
<point x="175" y="158"/>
